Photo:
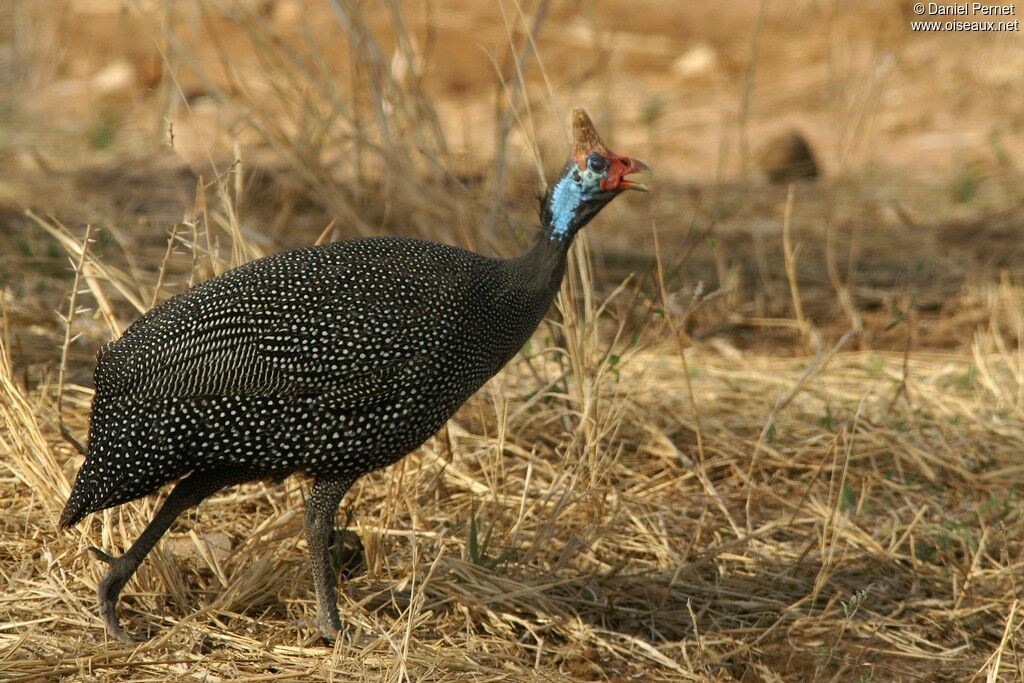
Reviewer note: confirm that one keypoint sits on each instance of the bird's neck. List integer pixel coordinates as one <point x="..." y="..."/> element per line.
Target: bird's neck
<point x="532" y="281"/>
<point x="543" y="264"/>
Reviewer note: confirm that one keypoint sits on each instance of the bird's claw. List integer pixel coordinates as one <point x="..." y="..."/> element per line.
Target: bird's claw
<point x="329" y="631"/>
<point x="326" y="634"/>
<point x="117" y="632"/>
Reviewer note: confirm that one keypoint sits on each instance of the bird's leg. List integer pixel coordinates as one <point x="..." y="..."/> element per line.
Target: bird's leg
<point x="188" y="492"/>
<point x="321" y="510"/>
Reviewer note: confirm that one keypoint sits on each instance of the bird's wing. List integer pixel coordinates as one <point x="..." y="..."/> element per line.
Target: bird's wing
<point x="386" y="382"/>
<point x="353" y="349"/>
<point x="272" y="337"/>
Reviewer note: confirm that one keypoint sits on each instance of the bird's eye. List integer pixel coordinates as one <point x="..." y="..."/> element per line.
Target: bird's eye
<point x="597" y="163"/>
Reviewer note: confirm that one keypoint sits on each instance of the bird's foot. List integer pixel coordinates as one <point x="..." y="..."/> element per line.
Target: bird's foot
<point x="326" y="633"/>
<point x="121" y="569"/>
<point x="331" y="633"/>
<point x="329" y="626"/>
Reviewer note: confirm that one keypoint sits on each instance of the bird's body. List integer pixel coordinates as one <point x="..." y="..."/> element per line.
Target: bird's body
<point x="331" y="361"/>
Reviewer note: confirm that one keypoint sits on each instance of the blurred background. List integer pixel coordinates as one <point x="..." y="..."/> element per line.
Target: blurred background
<point x="445" y="120"/>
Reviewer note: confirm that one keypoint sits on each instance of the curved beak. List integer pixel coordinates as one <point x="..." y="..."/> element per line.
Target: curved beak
<point x="634" y="166"/>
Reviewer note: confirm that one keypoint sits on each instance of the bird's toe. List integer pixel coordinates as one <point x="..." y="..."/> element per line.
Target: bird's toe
<point x="108" y="592"/>
<point x="102" y="555"/>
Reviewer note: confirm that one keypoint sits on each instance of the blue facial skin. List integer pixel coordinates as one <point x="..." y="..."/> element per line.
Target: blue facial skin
<point x="572" y="190"/>
<point x="565" y="199"/>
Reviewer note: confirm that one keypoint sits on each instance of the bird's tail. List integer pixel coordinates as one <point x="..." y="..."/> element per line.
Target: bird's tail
<point x="111" y="472"/>
<point x="93" y="479"/>
<point x="80" y="501"/>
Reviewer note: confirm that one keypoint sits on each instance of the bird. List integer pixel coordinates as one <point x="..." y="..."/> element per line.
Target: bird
<point x="328" y="362"/>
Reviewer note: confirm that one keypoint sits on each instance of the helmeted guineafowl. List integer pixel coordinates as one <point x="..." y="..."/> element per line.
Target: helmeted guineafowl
<point x="332" y="361"/>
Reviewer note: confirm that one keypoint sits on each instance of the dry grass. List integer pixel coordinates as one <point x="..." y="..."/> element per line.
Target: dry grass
<point x="809" y="473"/>
<point x="579" y="533"/>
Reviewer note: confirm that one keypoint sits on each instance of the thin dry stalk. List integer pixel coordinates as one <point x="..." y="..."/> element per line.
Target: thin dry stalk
<point x="68" y="322"/>
<point x="768" y="430"/>
<point x="681" y="349"/>
<point x="748" y="88"/>
<point x="790" y="254"/>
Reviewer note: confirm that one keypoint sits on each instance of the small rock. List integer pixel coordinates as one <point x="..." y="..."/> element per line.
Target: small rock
<point x="219" y="545"/>
<point x="117" y="79"/>
<point x="699" y="60"/>
<point x="788" y="157"/>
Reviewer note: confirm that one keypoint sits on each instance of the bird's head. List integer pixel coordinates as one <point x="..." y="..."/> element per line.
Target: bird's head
<point x="592" y="177"/>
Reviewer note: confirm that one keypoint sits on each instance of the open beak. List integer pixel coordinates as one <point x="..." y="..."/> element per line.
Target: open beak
<point x="634" y="166"/>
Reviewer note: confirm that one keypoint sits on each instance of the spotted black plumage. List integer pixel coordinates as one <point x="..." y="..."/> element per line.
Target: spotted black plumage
<point x="330" y="361"/>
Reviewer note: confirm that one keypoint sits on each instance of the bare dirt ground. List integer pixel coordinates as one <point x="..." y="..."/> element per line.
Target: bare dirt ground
<point x="770" y="432"/>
